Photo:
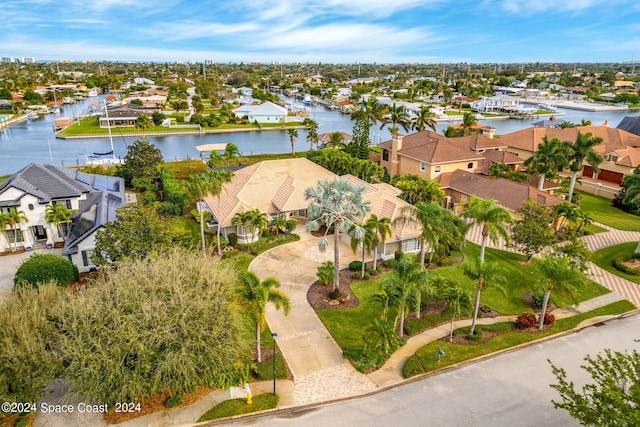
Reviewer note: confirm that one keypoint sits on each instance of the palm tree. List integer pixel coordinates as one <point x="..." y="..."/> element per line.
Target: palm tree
<point x="279" y="224"/>
<point x="371" y="110"/>
<point x="368" y="240"/>
<point x="458" y="299"/>
<point x="434" y="222"/>
<point x="215" y="159"/>
<point x="201" y="186"/>
<point x="397" y="116"/>
<point x="381" y="336"/>
<point x="57" y="215"/>
<point x="563" y="214"/>
<point x="558" y="273"/>
<point x="551" y="157"/>
<point x="417" y="189"/>
<point x="493" y="219"/>
<point x="337" y="204"/>
<point x="486" y="273"/>
<point x="381" y="227"/>
<point x="387" y="300"/>
<point x="582" y="151"/>
<point x="13" y="218"/>
<point x="256" y="294"/>
<point x="257" y="221"/>
<point x="406" y="282"/>
<point x="241" y="220"/>
<point x="312" y="135"/>
<point x="425" y="119"/>
<point x="336" y="140"/>
<point x="293" y="134"/>
<point x="143" y="122"/>
<point x="231" y="151"/>
<point x="469" y="121"/>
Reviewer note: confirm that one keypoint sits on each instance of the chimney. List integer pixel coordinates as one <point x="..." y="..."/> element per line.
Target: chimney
<point x="488" y="131"/>
<point x="396" y="145"/>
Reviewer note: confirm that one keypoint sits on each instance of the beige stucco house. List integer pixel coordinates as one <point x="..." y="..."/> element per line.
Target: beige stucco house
<point x="276" y="187"/>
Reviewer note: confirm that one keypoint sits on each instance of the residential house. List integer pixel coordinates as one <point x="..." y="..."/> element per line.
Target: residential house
<point x="276" y="188"/>
<point x="496" y="104"/>
<point x="124" y="115"/>
<point x="93" y="199"/>
<point x="267" y="112"/>
<point x="620" y="149"/>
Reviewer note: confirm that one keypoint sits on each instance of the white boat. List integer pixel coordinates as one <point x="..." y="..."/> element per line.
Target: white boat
<point x="548" y="107"/>
<point x="55" y="109"/>
<point x="92" y="93"/>
<point x="307" y="100"/>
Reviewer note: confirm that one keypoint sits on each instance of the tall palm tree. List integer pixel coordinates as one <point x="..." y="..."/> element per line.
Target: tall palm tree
<point x="200" y="186"/>
<point x="368" y="240"/>
<point x="563" y="214"/>
<point x="493" y="218"/>
<point x="558" y="273"/>
<point x="424" y="119"/>
<point x="381" y="227"/>
<point x="582" y="150"/>
<point x="312" y="129"/>
<point x="551" y="157"/>
<point x="397" y="116"/>
<point x="231" y="151"/>
<point x="255" y="295"/>
<point x="458" y="299"/>
<point x="434" y="222"/>
<point x="57" y="215"/>
<point x="371" y="110"/>
<point x="469" y="121"/>
<point x="338" y="204"/>
<point x="293" y="134"/>
<point x="336" y="140"/>
<point x="13" y="218"/>
<point x="144" y="122"/>
<point x="486" y="274"/>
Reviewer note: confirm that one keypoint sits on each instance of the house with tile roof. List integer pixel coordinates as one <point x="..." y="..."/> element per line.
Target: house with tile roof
<point x="267" y="112"/>
<point x="620" y="149"/>
<point x="276" y="188"/>
<point x="93" y="198"/>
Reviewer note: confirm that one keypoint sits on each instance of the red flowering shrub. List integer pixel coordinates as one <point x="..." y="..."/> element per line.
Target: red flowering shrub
<point x="549" y="319"/>
<point x="526" y="320"/>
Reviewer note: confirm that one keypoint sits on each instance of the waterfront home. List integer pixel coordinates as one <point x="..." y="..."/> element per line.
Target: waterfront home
<point x="263" y="113"/>
<point x="496" y="104"/>
<point x="92" y="198"/>
<point x="276" y="188"/>
<point x="124" y="115"/>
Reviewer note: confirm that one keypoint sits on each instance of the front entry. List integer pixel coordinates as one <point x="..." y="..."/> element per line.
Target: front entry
<point x="39" y="232"/>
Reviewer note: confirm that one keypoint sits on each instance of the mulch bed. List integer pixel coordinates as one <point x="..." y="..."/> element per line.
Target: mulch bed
<point x="318" y="295"/>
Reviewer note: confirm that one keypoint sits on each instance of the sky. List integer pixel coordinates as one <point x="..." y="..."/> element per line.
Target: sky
<point x="328" y="31"/>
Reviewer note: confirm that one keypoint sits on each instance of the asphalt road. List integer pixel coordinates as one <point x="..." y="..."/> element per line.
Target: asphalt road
<point x="508" y="390"/>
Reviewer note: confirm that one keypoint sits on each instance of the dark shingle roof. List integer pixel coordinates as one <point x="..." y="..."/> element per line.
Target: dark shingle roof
<point x="631" y="125"/>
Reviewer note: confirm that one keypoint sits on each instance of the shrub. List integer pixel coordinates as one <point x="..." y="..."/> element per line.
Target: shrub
<point x="22" y="422"/>
<point x="549" y="319"/>
<point x="619" y="263"/>
<point x="233" y="239"/>
<point x="264" y="370"/>
<point x="412" y="367"/>
<point x="325" y="273"/>
<point x="526" y="320"/>
<point x="355" y="266"/>
<point x="41" y="268"/>
<point x="537" y="296"/>
<point x="149" y="197"/>
<point x="230" y="254"/>
<point x="266" y="233"/>
<point x="169" y="209"/>
<point x="291" y="225"/>
<point x="397" y="255"/>
<point x="174" y="400"/>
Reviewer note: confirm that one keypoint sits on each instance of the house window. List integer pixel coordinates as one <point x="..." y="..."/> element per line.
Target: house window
<point x="65" y="202"/>
<point x="437" y="169"/>
<point x="470" y="165"/>
<point x="423" y="166"/>
<point x="63" y="229"/>
<point x="410" y="245"/>
<point x="86" y="257"/>
<point x="302" y="213"/>
<point x="385" y="155"/>
<point x="15" y="236"/>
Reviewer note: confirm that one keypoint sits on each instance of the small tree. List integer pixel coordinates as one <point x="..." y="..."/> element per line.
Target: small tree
<point x="142" y="160"/>
<point x="612" y="398"/>
<point x="532" y="233"/>
<point x="458" y="299"/>
<point x="293" y="135"/>
<point x="143" y="122"/>
<point x="231" y="151"/>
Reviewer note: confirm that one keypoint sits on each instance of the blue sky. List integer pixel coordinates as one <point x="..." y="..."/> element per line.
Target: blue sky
<point x="340" y="31"/>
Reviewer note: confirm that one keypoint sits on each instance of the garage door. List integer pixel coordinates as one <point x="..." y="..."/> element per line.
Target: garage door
<point x="587" y="172"/>
<point x="609" y="176"/>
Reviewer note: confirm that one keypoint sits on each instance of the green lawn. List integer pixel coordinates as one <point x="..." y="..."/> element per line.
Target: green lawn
<point x="232" y="407"/>
<point x="425" y="359"/>
<point x="604" y="257"/>
<point x="601" y="211"/>
<point x="190" y="228"/>
<point x="346" y="326"/>
<point x="182" y="169"/>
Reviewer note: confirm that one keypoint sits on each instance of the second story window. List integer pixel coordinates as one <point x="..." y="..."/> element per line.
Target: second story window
<point x="423" y="166"/>
<point x="385" y="155"/>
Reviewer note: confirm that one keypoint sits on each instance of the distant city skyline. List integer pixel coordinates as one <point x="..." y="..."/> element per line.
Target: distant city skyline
<point x="329" y="31"/>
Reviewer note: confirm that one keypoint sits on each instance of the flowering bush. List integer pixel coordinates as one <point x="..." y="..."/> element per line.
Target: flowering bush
<point x="526" y="320"/>
<point x="549" y="319"/>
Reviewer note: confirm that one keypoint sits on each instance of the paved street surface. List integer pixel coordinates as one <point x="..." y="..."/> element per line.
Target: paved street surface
<point x="511" y="389"/>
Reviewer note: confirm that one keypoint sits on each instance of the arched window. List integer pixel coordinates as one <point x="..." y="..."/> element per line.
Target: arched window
<point x="470" y="165"/>
<point x="437" y="169"/>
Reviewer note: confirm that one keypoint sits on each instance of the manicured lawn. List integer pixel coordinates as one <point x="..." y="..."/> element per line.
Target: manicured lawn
<point x="90" y="126"/>
<point x="346" y="326"/>
<point x="425" y="359"/>
<point x="594" y="229"/>
<point x="601" y="211"/>
<point x="232" y="407"/>
<point x="189" y="227"/>
<point x="604" y="257"/>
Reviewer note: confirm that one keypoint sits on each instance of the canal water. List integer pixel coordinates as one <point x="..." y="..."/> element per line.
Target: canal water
<point x="34" y="140"/>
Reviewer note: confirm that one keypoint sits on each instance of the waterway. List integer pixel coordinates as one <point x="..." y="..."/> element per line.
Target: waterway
<point x="34" y="140"/>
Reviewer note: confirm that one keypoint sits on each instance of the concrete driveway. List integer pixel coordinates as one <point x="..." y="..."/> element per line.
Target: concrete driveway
<point x="315" y="360"/>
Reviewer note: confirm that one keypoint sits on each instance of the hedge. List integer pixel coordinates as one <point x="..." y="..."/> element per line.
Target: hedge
<point x="42" y="268"/>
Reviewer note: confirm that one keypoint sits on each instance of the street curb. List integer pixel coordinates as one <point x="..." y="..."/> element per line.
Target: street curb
<point x="293" y="410"/>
